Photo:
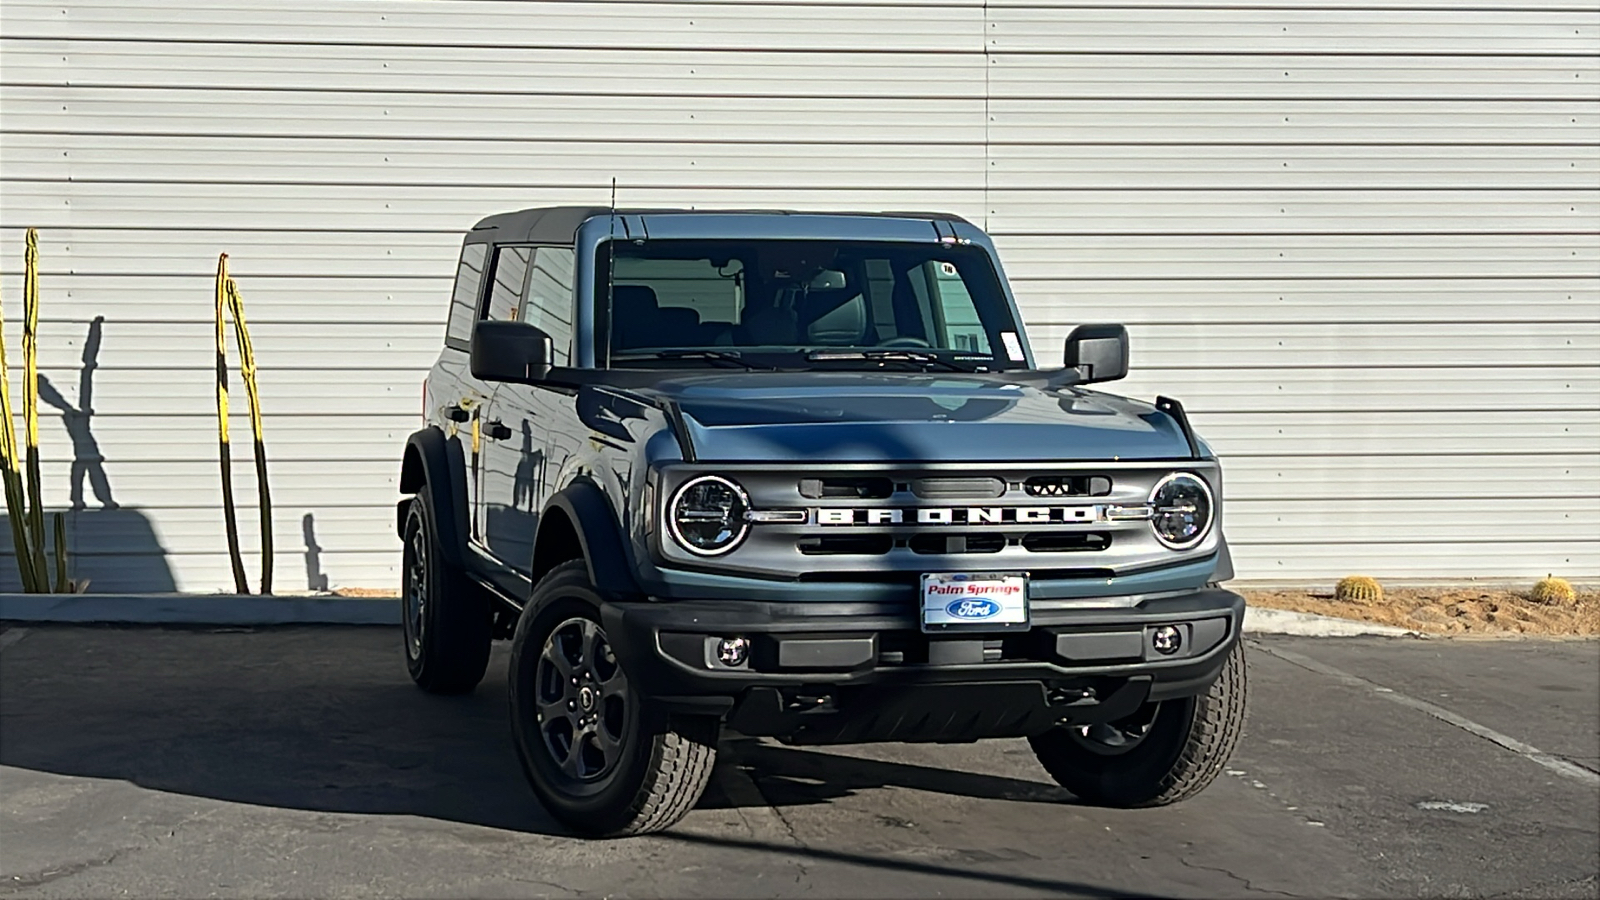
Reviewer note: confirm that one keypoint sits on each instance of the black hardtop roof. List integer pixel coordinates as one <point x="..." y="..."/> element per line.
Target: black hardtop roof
<point x="559" y="224"/>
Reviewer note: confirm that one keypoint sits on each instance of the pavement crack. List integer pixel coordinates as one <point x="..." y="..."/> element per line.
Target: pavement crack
<point x="1187" y="863"/>
<point x="45" y="876"/>
<point x="549" y="884"/>
<point x="1561" y="886"/>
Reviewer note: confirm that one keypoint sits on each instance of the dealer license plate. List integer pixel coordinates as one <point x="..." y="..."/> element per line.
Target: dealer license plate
<point x="975" y="601"/>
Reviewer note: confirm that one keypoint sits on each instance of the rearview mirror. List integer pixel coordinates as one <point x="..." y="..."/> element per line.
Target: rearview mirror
<point x="1098" y="352"/>
<point x="510" y="351"/>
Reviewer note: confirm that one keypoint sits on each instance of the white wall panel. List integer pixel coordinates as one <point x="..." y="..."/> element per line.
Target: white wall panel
<point x="1361" y="241"/>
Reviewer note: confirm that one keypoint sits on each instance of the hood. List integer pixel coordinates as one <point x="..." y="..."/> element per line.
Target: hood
<point x="910" y="417"/>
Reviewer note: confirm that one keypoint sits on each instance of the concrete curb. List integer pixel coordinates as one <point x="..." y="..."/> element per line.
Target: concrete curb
<point x="1280" y="621"/>
<point x="199" y="609"/>
<point x="230" y="609"/>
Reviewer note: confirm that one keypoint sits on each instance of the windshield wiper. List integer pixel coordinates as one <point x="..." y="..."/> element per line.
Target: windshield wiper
<point x="911" y="356"/>
<point x="723" y="356"/>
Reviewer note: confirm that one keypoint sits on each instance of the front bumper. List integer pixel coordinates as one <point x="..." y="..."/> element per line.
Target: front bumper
<point x="834" y="672"/>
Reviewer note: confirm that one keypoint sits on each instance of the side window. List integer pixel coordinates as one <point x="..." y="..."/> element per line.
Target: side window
<point x="464" y="302"/>
<point x="549" y="301"/>
<point x="510" y="274"/>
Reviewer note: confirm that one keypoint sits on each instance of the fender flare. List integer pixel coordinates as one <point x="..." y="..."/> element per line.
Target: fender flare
<point x="1224" y="570"/>
<point x="437" y="465"/>
<point x="599" y="536"/>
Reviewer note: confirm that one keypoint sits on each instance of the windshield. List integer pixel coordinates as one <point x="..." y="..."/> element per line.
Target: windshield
<point x="803" y="302"/>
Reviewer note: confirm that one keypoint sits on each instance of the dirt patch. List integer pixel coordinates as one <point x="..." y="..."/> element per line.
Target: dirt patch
<point x="365" y="592"/>
<point x="1448" y="610"/>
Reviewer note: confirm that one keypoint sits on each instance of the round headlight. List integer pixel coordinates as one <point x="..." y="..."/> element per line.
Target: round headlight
<point x="1182" y="510"/>
<point x="707" y="515"/>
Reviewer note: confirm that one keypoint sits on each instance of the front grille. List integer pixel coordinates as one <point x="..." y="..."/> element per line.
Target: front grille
<point x="846" y="545"/>
<point x="1067" y="486"/>
<point x="861" y="488"/>
<point x="938" y="543"/>
<point x="1065" y="542"/>
<point x="958" y="488"/>
<point x="890" y="522"/>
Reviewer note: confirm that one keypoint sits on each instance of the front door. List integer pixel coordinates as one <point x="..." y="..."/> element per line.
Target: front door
<point x="516" y="445"/>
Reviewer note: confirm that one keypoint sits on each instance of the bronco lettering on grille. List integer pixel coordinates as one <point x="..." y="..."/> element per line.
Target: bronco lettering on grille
<point x="964" y="515"/>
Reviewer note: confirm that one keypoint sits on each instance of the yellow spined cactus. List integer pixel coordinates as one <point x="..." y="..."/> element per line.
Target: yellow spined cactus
<point x="1358" y="589"/>
<point x="1553" y="591"/>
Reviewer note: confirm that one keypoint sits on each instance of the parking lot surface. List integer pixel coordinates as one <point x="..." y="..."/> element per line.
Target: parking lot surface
<point x="299" y="761"/>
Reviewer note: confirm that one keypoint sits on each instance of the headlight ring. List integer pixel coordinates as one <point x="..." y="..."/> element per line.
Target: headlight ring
<point x="1182" y="510"/>
<point x="708" y="515"/>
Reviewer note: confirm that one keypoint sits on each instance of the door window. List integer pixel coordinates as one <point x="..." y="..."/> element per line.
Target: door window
<point x="510" y="274"/>
<point x="549" y="298"/>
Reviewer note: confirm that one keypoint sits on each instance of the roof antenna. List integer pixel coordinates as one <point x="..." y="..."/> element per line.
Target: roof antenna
<point x="611" y="272"/>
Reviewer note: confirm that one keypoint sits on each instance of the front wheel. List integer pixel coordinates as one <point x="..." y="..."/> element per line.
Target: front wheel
<point x="598" y="754"/>
<point x="1165" y="752"/>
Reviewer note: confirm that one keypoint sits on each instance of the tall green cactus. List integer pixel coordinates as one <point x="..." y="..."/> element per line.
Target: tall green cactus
<point x="23" y="491"/>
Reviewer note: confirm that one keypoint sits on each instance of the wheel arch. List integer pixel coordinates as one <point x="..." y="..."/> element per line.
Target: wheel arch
<point x="578" y="523"/>
<point x="435" y="464"/>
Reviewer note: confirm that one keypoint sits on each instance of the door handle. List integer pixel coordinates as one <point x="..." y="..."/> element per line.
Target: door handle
<point x="455" y="413"/>
<point x="497" y="430"/>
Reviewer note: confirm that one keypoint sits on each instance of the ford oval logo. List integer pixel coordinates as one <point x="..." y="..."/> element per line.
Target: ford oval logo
<point x="972" y="608"/>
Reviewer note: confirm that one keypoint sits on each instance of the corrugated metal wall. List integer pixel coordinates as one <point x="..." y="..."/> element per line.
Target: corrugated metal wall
<point x="1360" y="240"/>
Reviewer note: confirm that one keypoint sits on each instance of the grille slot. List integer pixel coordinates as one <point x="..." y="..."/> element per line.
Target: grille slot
<point x="862" y="488"/>
<point x="1067" y="542"/>
<point x="938" y="543"/>
<point x="1067" y="486"/>
<point x="846" y="545"/>
<point x="953" y="488"/>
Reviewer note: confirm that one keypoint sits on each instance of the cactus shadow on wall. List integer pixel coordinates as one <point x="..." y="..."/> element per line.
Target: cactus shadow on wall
<point x="113" y="548"/>
<point x="316" y="579"/>
<point x="87" y="461"/>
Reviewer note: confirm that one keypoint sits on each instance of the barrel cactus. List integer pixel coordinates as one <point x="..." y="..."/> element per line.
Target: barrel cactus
<point x="1553" y="591"/>
<point x="1358" y="589"/>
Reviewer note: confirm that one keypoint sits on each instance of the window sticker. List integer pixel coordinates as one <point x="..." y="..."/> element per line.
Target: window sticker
<point x="1013" y="346"/>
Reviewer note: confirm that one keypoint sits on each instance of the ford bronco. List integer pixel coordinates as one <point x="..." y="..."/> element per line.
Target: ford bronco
<point x="796" y="475"/>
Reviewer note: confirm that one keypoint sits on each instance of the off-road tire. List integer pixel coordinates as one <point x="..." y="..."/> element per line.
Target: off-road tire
<point x="1187" y="747"/>
<point x="452" y="651"/>
<point x="665" y="762"/>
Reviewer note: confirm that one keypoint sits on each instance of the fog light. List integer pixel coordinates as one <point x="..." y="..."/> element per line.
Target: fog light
<point x="1167" y="639"/>
<point x="733" y="652"/>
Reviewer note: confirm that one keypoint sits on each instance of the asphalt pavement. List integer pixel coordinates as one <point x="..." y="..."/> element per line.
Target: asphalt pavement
<point x="299" y="761"/>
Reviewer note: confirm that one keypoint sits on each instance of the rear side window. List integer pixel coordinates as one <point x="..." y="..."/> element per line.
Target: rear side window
<point x="464" y="302"/>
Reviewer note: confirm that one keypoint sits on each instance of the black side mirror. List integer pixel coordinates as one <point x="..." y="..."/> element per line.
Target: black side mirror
<point x="510" y="351"/>
<point x="1098" y="352"/>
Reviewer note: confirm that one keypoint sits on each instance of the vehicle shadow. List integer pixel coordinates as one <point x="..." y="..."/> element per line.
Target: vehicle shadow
<point x="795" y="776"/>
<point x="326" y="720"/>
<point x="323" y="719"/>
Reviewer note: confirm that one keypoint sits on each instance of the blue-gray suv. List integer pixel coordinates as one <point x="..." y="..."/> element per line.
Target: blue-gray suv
<point x="796" y="475"/>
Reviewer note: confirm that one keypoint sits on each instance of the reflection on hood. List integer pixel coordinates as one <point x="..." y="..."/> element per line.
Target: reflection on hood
<point x="851" y="416"/>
